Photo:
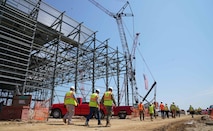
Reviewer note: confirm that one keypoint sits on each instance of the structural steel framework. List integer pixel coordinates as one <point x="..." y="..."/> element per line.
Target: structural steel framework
<point x="42" y="48"/>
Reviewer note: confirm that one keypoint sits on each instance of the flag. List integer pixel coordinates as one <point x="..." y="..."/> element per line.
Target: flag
<point x="146" y="82"/>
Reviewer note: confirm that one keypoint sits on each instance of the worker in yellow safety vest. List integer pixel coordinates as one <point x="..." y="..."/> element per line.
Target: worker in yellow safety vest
<point x="151" y="111"/>
<point x="94" y="105"/>
<point x="70" y="102"/>
<point x="191" y="111"/>
<point x="108" y="100"/>
<point x="166" y="109"/>
<point x="173" y="109"/>
<point x="141" y="110"/>
<point x="177" y="111"/>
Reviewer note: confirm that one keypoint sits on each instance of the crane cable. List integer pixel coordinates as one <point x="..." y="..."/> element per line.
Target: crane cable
<point x="146" y="64"/>
<point x="155" y="89"/>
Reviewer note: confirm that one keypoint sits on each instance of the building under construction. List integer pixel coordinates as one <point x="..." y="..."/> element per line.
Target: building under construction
<point x="43" y="49"/>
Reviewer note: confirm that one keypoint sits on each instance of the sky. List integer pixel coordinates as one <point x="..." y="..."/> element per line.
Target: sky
<point x="175" y="46"/>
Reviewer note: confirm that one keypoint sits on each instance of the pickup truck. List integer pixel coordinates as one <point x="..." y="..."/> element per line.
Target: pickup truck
<point x="210" y="109"/>
<point x="59" y="110"/>
<point x="122" y="111"/>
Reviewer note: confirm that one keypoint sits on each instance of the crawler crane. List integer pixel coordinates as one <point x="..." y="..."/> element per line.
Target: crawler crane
<point x="118" y="17"/>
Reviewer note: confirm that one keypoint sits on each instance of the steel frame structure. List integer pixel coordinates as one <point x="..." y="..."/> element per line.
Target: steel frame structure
<point x="42" y="48"/>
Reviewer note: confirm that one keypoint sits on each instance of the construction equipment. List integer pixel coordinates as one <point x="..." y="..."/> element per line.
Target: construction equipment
<point x="135" y="42"/>
<point x="144" y="98"/>
<point x="118" y="16"/>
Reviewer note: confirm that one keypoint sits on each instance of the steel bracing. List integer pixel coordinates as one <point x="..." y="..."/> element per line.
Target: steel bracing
<point x="42" y="48"/>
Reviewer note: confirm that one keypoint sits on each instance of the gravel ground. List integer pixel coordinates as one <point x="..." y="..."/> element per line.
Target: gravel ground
<point x="202" y="123"/>
<point x="183" y="123"/>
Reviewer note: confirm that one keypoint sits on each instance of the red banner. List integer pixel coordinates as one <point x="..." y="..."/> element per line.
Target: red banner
<point x="146" y="82"/>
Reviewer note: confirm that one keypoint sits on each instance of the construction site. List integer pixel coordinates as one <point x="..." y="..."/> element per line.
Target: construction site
<point x="43" y="52"/>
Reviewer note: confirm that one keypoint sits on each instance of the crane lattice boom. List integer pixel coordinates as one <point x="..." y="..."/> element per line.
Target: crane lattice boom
<point x="118" y="16"/>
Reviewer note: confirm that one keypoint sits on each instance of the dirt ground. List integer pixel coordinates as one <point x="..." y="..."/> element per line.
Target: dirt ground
<point x="183" y="123"/>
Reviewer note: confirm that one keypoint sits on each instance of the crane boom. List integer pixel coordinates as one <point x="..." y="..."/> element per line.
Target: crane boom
<point x="134" y="45"/>
<point x="118" y="16"/>
<point x="102" y="8"/>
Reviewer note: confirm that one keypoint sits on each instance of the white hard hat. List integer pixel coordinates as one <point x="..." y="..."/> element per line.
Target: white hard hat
<point x="98" y="90"/>
<point x="111" y="88"/>
<point x="72" y="87"/>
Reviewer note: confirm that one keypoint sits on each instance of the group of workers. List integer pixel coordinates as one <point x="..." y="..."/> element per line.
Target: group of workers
<point x="71" y="101"/>
<point x="164" y="109"/>
<point x="108" y="101"/>
<point x="174" y="110"/>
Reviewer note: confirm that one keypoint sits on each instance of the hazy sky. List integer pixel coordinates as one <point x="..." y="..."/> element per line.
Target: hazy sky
<point x="176" y="41"/>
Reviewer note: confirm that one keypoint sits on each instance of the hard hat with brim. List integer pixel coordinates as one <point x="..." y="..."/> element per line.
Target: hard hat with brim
<point x="72" y="87"/>
<point x="110" y="88"/>
<point x="98" y="90"/>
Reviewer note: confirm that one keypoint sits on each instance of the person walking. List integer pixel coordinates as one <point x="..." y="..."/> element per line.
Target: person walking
<point x="141" y="110"/>
<point x="108" y="100"/>
<point x="70" y="102"/>
<point x="166" y="109"/>
<point x="173" y="109"/>
<point x="162" y="110"/>
<point x="151" y="111"/>
<point x="191" y="111"/>
<point x="155" y="105"/>
<point x="94" y="105"/>
<point x="199" y="110"/>
<point x="177" y="111"/>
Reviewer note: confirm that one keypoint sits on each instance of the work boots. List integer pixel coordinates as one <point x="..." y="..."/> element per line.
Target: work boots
<point x="86" y="123"/>
<point x="108" y="124"/>
<point x="64" y="120"/>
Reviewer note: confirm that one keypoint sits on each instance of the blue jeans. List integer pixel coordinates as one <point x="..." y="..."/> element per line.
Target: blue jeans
<point x="94" y="110"/>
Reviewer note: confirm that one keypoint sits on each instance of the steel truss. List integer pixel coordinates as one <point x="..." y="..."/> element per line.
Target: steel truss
<point x="42" y="48"/>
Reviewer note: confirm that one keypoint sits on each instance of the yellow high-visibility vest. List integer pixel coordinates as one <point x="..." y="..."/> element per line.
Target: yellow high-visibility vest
<point x="93" y="100"/>
<point x="69" y="98"/>
<point x="108" y="98"/>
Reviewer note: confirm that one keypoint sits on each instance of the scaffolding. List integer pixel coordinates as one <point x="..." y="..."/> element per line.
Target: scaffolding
<point x="42" y="48"/>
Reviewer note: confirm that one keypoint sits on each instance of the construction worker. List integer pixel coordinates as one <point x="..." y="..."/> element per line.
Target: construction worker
<point x="155" y="106"/>
<point x="151" y="111"/>
<point x="173" y="109"/>
<point x="94" y="105"/>
<point x="166" y="110"/>
<point x="108" y="100"/>
<point x="70" y="102"/>
<point x="177" y="111"/>
<point x="199" y="110"/>
<point x="141" y="110"/>
<point x="162" y="110"/>
<point x="191" y="111"/>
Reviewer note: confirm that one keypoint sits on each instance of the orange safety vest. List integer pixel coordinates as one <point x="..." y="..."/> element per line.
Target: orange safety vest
<point x="161" y="107"/>
<point x="140" y="107"/>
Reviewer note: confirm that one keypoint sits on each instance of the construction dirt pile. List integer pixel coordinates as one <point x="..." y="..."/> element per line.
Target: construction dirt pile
<point x="183" y="123"/>
<point x="202" y="123"/>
